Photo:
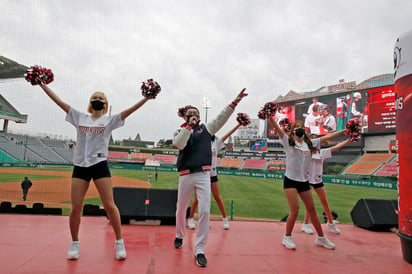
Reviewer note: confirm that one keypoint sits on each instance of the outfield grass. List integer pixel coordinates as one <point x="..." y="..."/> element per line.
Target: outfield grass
<point x="264" y="198"/>
<point x="17" y="177"/>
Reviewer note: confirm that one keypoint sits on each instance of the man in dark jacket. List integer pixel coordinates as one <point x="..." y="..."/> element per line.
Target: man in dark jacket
<point x="194" y="139"/>
<point x="25" y="185"/>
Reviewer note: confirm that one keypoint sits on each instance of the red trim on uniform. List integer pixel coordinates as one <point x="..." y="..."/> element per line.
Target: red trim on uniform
<point x="207" y="168"/>
<point x="187" y="171"/>
<point x="184" y="172"/>
<point x="187" y="126"/>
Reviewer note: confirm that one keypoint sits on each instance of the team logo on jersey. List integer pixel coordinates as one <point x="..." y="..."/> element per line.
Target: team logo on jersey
<point x="91" y="130"/>
<point x="304" y="153"/>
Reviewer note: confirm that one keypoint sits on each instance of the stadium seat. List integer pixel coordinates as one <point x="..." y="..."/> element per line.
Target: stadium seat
<point x="389" y="169"/>
<point x="376" y="158"/>
<point x="231" y="162"/>
<point x="254" y="163"/>
<point x="362" y="168"/>
<point x="165" y="158"/>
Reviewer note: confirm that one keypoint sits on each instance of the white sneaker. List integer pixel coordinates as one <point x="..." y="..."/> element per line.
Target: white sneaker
<point x="323" y="241"/>
<point x="120" y="249"/>
<point x="191" y="223"/>
<point x="288" y="242"/>
<point x="225" y="223"/>
<point x="73" y="253"/>
<point x="333" y="228"/>
<point x="307" y="228"/>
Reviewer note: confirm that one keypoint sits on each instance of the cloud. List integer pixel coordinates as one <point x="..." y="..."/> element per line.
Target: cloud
<point x="194" y="49"/>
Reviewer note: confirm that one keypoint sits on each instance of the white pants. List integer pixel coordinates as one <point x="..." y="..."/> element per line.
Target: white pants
<point x="199" y="182"/>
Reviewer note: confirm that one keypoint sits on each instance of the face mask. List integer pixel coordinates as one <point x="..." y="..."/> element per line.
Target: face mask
<point x="190" y="116"/>
<point x="300" y="132"/>
<point x="97" y="105"/>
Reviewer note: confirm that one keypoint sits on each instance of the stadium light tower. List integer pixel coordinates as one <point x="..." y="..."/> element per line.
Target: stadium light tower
<point x="206" y="106"/>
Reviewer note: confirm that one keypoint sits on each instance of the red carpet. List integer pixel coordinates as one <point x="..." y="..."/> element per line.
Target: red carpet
<point x="39" y="244"/>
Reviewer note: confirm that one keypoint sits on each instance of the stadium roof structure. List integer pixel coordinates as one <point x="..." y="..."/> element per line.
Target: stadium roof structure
<point x="8" y="112"/>
<point x="10" y="69"/>
<point x="375" y="81"/>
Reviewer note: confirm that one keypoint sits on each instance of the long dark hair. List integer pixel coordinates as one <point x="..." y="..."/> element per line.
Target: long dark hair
<point x="299" y="123"/>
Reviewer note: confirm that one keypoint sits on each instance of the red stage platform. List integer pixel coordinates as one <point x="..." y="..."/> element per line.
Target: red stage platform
<point x="39" y="244"/>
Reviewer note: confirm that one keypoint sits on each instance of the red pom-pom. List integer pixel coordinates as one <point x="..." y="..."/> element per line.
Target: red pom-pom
<point x="181" y="111"/>
<point x="353" y="131"/>
<point x="269" y="109"/>
<point x="285" y="124"/>
<point x="243" y="119"/>
<point x="150" y="89"/>
<point x="39" y="75"/>
<point x="262" y="114"/>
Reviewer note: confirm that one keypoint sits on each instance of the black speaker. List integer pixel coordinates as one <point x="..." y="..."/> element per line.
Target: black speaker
<point x="375" y="214"/>
<point x="143" y="204"/>
<point x="93" y="210"/>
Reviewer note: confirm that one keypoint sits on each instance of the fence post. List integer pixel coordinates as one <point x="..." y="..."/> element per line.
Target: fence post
<point x="231" y="210"/>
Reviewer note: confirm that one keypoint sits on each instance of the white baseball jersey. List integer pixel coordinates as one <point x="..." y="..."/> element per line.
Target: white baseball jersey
<point x="92" y="145"/>
<point x="298" y="159"/>
<point x="316" y="165"/>
<point x="312" y="122"/>
<point x="217" y="145"/>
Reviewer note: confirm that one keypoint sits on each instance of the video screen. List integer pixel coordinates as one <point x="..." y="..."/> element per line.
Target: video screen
<point x="373" y="108"/>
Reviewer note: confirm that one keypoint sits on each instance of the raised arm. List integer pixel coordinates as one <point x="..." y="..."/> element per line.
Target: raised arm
<point x="55" y="98"/>
<point x="125" y="113"/>
<point x="222" y="118"/>
<point x="330" y="136"/>
<point x="340" y="145"/>
<point x="230" y="133"/>
<point x="275" y="125"/>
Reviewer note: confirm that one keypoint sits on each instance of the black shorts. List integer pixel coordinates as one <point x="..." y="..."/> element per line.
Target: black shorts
<point x="97" y="171"/>
<point x="317" y="185"/>
<point x="299" y="186"/>
<point x="213" y="179"/>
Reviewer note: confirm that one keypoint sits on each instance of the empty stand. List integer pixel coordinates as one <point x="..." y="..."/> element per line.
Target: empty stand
<point x="362" y="168"/>
<point x="379" y="164"/>
<point x="276" y="162"/>
<point x="254" y="163"/>
<point x="119" y="154"/>
<point x="376" y="157"/>
<point x="140" y="155"/>
<point x="389" y="169"/>
<point x="165" y="158"/>
<point x="23" y="148"/>
<point x="276" y="165"/>
<point x="231" y="162"/>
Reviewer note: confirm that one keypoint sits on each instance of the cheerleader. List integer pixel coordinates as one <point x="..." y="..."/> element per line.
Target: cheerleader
<point x="90" y="155"/>
<point x="299" y="149"/>
<point x="315" y="180"/>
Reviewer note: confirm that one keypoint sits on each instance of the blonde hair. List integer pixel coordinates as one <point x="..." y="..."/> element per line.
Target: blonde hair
<point x="106" y="105"/>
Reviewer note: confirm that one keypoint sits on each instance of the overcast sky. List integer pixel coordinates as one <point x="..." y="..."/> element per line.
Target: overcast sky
<point x="193" y="49"/>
